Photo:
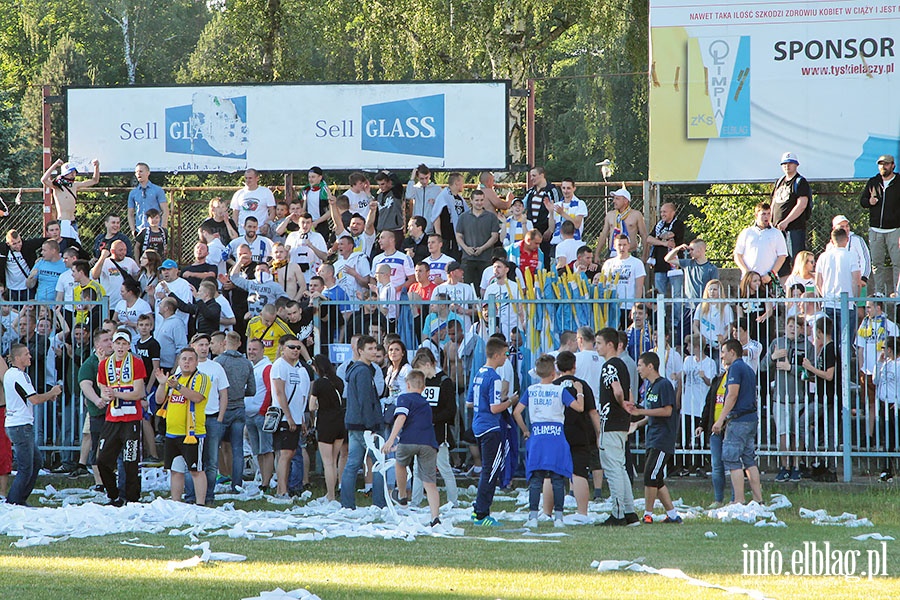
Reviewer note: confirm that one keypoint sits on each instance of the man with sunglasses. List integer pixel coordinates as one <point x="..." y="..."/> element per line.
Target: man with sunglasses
<point x="65" y="191"/>
<point x="290" y="392"/>
<point x="143" y="197"/>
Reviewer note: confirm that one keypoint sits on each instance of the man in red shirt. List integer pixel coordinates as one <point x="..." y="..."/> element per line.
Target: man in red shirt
<point x="527" y="254"/>
<point x="121" y="379"/>
<point x="421" y="290"/>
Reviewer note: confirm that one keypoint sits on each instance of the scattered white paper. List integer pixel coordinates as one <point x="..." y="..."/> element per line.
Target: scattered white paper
<point x="821" y="517"/>
<point x="280" y="594"/>
<point x="605" y="566"/>
<point x="873" y="536"/>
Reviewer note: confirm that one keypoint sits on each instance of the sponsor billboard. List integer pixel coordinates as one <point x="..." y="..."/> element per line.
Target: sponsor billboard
<point x="736" y="84"/>
<point x="448" y="125"/>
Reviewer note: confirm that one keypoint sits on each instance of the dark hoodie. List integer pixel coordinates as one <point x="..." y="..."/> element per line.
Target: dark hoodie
<point x="363" y="409"/>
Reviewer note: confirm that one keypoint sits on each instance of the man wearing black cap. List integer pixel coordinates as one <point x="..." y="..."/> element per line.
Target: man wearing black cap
<point x="791" y="208"/>
<point x="881" y="197"/>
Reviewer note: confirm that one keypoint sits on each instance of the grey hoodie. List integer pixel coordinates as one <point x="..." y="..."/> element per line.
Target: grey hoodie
<point x="259" y="294"/>
<point x="363" y="409"/>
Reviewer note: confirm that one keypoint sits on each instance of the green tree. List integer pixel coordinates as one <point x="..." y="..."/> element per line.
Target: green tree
<point x="13" y="148"/>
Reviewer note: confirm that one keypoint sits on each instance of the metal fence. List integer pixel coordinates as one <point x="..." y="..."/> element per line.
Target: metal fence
<point x="841" y="426"/>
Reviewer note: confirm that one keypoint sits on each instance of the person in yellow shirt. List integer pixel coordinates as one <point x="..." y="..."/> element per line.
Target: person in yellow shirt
<point x="182" y="397"/>
<point x="81" y="273"/>
<point x="715" y="402"/>
<point x="268" y="328"/>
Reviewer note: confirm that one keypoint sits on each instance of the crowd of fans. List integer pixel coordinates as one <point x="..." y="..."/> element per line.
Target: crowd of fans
<point x="194" y="359"/>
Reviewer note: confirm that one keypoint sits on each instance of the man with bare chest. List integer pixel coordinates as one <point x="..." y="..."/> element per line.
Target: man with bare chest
<point x="65" y="191"/>
<point x="622" y="220"/>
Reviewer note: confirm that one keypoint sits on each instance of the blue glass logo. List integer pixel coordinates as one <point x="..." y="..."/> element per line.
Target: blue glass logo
<point x="414" y="126"/>
<point x="209" y="126"/>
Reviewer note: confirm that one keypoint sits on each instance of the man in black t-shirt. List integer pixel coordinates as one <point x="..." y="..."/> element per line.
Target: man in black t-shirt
<point x="148" y="349"/>
<point x="581" y="429"/>
<point x="791" y="208"/>
<point x="615" y="391"/>
<point x="539" y="196"/>
<point x="823" y="392"/>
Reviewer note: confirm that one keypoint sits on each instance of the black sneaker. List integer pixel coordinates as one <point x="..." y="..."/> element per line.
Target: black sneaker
<point x="118" y="503"/>
<point x="613" y="522"/>
<point x="63" y="469"/>
<point x="436" y="522"/>
<point x="632" y="519"/>
<point x="79" y="471"/>
<point x="99" y="488"/>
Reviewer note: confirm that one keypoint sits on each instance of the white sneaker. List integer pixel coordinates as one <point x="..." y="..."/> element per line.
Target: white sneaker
<point x="542" y="516"/>
<point x="558" y="523"/>
<point x="531" y="523"/>
<point x="579" y="519"/>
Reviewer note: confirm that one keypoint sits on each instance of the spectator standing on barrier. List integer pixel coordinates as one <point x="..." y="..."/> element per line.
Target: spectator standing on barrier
<point x="104" y="241"/>
<point x="363" y="413"/>
<point x="615" y="391"/>
<point x="621" y="220"/>
<point x="220" y="222"/>
<point x="112" y="268"/>
<point x="422" y="193"/>
<point x="761" y="248"/>
<point x="784" y="365"/>
<point x="873" y="332"/>
<point x="145" y="196"/>
<point x="791" y="208"/>
<point x="46" y="272"/>
<point x="881" y="197"/>
<point x="742" y="417"/>
<point x="538" y="197"/>
<point x="448" y="206"/>
<point x="17" y="258"/>
<point x="65" y="192"/>
<point x="21" y="398"/>
<point x="667" y="235"/>
<point x="837" y="272"/>
<point x="627" y="274"/>
<point x="477" y="232"/>
<point x="121" y="378"/>
<point x="253" y="200"/>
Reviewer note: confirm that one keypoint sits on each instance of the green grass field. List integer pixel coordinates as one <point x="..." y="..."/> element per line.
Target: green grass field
<point x="472" y="568"/>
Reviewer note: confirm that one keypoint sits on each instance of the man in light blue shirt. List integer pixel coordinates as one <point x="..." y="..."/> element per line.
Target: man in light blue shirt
<point x="143" y="197"/>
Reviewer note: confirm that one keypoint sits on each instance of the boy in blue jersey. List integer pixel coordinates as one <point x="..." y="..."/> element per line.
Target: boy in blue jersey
<point x="413" y="417"/>
<point x="659" y="411"/>
<point x="549" y="456"/>
<point x="486" y="397"/>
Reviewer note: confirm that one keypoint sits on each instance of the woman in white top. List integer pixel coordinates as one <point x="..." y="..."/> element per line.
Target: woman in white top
<point x="713" y="320"/>
<point x="804" y="273"/>
<point x="395" y="377"/>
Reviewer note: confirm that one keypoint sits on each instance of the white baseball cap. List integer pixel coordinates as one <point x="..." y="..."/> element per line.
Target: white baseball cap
<point x="838" y="220"/>
<point x="789" y="157"/>
<point x="622" y="193"/>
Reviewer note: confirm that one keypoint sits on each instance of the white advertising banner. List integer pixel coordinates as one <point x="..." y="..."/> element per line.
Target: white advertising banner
<point x="736" y="84"/>
<point x="446" y="125"/>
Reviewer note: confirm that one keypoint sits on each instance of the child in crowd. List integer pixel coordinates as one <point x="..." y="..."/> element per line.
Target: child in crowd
<point x="699" y="371"/>
<point x="549" y="456"/>
<point x="412" y="417"/>
<point x="713" y="320"/>
<point x="752" y="348"/>
<point x="152" y="237"/>
<point x="516" y="225"/>
<point x="386" y="293"/>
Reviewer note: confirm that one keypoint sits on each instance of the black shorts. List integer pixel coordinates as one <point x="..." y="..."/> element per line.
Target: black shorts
<point x="191" y="453"/>
<point x="655" y="468"/>
<point x="594" y="458"/>
<point x="581" y="461"/>
<point x="284" y="438"/>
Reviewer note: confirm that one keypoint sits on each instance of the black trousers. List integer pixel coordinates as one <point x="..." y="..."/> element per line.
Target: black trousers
<point x="116" y="436"/>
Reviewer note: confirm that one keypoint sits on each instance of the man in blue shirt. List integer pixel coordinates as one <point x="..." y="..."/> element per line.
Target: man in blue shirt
<point x="143" y="197"/>
<point x="46" y="272"/>
<point x="740" y="413"/>
<point x="485" y="396"/>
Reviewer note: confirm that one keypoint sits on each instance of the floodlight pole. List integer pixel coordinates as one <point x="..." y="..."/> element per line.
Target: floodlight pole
<point x="46" y="153"/>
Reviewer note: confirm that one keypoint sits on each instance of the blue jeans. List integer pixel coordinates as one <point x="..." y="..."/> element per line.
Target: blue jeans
<point x="215" y="431"/>
<point x="718" y="468"/>
<point x="795" y="239"/>
<point x="356" y="456"/>
<point x="234" y="433"/>
<point x="536" y="484"/>
<point x="28" y="463"/>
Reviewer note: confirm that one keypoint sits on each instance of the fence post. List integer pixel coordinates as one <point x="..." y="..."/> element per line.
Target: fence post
<point x="845" y="383"/>
<point x="317" y="326"/>
<point x="492" y="314"/>
<point x="661" y="333"/>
